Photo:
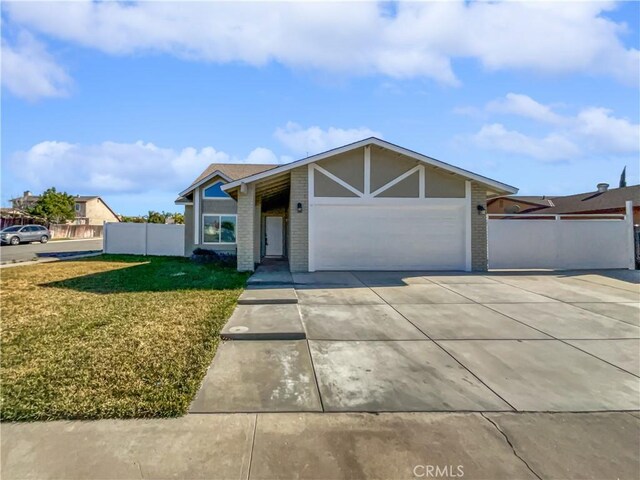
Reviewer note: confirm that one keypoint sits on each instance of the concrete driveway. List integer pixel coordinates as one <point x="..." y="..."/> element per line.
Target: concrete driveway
<point x="409" y="342"/>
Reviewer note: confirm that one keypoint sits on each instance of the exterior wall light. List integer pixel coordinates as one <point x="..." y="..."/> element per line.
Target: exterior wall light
<point x="299" y="207"/>
<point x="481" y="210"/>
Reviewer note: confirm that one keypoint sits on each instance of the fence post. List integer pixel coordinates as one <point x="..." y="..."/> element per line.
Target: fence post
<point x="630" y="234"/>
<point x="104" y="236"/>
<point x="146" y="238"/>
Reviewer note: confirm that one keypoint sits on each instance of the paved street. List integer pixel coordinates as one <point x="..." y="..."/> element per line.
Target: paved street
<point x="32" y="251"/>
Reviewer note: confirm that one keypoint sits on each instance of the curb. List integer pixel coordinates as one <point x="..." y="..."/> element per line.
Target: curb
<point x="49" y="260"/>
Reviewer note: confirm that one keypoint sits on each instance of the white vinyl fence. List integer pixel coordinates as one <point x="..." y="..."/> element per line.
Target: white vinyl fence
<point x="144" y="239"/>
<point x="561" y="242"/>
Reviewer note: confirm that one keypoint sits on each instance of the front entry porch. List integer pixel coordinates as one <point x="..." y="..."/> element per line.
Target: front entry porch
<point x="264" y="230"/>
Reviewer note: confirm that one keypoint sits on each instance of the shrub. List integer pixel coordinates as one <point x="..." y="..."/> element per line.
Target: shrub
<point x="202" y="255"/>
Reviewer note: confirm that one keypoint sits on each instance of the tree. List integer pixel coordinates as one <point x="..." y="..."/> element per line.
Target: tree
<point x="623" y="177"/>
<point x="156" y="217"/>
<point x="178" y="218"/>
<point x="126" y="219"/>
<point x="55" y="207"/>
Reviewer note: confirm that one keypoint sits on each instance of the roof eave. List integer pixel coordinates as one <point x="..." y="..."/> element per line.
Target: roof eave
<point x="193" y="186"/>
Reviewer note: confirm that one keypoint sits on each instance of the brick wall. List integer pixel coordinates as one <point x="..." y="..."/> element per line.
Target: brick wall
<point x="246" y="228"/>
<point x="299" y="222"/>
<point x="478" y="228"/>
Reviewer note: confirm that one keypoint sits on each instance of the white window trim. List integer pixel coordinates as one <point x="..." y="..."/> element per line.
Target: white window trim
<point x="204" y="192"/>
<point x="219" y="215"/>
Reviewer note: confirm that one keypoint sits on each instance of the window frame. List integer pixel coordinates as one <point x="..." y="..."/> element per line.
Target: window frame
<point x="220" y="215"/>
<point x="225" y="196"/>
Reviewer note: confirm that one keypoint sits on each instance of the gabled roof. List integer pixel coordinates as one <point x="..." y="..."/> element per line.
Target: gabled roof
<point x="539" y="201"/>
<point x="85" y="198"/>
<point x="498" y="186"/>
<point x="35" y="198"/>
<point x="228" y="171"/>
<point x="594" y="201"/>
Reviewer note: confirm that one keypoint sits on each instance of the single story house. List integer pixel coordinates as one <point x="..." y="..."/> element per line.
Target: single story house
<point x="603" y="200"/>
<point x="369" y="205"/>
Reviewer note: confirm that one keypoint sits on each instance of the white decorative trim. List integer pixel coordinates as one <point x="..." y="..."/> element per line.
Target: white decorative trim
<point x="380" y="143"/>
<point x="311" y="263"/>
<point x="205" y="180"/>
<point x="396" y="180"/>
<point x="467" y="222"/>
<point x="205" y="187"/>
<point x="367" y="171"/>
<point x="382" y="201"/>
<point x="202" y="242"/>
<point x="338" y="180"/>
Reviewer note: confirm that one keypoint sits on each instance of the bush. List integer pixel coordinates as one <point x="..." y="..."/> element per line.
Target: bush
<point x="202" y="255"/>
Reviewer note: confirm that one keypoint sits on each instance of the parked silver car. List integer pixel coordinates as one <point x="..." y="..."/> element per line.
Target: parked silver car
<point x="25" y="233"/>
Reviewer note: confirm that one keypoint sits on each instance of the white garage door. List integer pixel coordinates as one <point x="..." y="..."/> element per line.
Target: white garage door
<point x="425" y="236"/>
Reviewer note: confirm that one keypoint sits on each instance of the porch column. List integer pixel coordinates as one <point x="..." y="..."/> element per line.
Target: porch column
<point x="246" y="228"/>
<point x="479" y="244"/>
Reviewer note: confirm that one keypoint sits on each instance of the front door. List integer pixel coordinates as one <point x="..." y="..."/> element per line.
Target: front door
<point x="273" y="240"/>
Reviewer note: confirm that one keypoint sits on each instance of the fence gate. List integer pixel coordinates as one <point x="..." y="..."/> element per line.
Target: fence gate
<point x="561" y="242"/>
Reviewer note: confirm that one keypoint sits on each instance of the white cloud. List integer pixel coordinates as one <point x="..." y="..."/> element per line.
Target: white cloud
<point x="112" y="167"/>
<point x="265" y="156"/>
<point x="524" y="106"/>
<point x="606" y="132"/>
<point x="29" y="71"/>
<point x="312" y="140"/>
<point x="595" y="129"/>
<point x="552" y="147"/>
<point x="356" y="38"/>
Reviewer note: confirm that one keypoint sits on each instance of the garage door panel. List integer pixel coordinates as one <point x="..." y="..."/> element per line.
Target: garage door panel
<point x="384" y="237"/>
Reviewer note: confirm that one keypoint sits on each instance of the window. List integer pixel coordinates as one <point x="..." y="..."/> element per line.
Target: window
<point x="218" y="228"/>
<point x="77" y="207"/>
<point x="215" y="191"/>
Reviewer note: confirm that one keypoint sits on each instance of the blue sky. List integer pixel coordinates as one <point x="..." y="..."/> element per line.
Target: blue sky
<point x="131" y="101"/>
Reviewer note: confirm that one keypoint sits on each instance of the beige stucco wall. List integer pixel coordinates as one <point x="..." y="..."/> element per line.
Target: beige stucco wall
<point x="299" y="221"/>
<point x="323" y="186"/>
<point x="407" y="188"/>
<point x="97" y="212"/>
<point x="347" y="166"/>
<point x="385" y="167"/>
<point x="441" y="184"/>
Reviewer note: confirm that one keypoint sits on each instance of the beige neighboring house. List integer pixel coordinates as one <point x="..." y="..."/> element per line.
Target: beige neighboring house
<point x="90" y="209"/>
<point x="369" y="205"/>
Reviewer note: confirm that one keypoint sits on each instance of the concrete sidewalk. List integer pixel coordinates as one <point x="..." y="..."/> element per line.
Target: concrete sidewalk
<point x="329" y="446"/>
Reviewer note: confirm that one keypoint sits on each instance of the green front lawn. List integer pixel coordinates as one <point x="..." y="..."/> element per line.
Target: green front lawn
<point x="109" y="336"/>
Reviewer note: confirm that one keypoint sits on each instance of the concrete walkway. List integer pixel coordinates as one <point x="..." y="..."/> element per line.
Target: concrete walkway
<point x="328" y="446"/>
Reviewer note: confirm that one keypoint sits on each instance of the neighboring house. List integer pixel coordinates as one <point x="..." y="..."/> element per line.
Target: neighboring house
<point x="370" y="205"/>
<point x="602" y="201"/>
<point x="89" y="209"/>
